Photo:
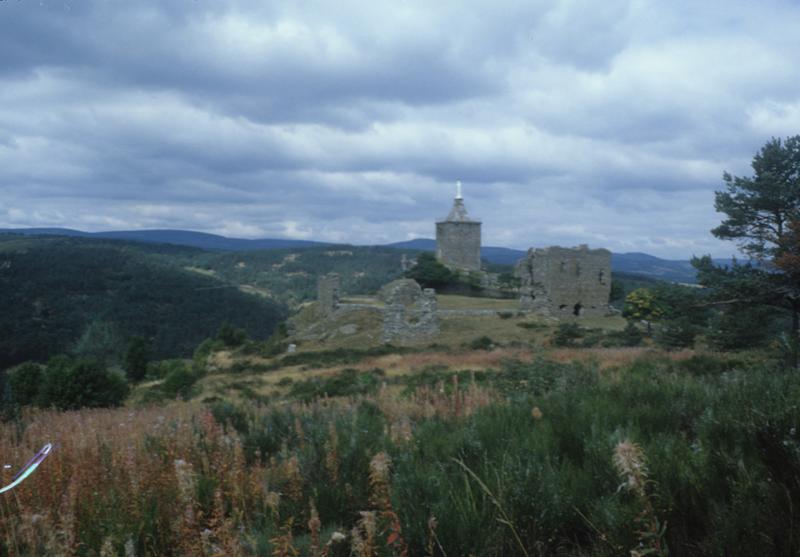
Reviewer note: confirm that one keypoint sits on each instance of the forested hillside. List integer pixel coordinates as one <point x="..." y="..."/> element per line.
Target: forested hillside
<point x="91" y="297"/>
<point x="290" y="275"/>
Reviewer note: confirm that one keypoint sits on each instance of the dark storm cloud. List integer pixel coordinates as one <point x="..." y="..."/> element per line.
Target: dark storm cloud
<point x="569" y="122"/>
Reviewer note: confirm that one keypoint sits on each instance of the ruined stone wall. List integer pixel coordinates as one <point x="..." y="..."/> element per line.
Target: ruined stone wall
<point x="565" y="282"/>
<point x="458" y="245"/>
<point x="400" y="291"/>
<point x="411" y="322"/>
<point x="329" y="293"/>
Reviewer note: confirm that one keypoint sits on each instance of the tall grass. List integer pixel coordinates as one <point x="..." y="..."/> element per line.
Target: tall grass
<point x="679" y="455"/>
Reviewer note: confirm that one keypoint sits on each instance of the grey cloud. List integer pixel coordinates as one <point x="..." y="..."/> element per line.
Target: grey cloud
<point x="568" y="122"/>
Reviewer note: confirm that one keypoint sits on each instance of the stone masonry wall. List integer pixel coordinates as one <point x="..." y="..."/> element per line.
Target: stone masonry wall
<point x="411" y="323"/>
<point x="458" y="245"/>
<point x="564" y="282"/>
<point x="328" y="293"/>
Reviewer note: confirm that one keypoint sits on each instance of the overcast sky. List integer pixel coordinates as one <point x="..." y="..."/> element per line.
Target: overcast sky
<point x="608" y="123"/>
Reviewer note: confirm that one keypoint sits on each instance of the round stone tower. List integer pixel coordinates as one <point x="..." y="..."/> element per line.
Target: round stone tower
<point x="458" y="238"/>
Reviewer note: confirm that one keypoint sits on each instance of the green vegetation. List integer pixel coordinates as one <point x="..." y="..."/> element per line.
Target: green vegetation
<point x="136" y="358"/>
<point x="348" y="382"/>
<point x="640" y="305"/>
<point x="290" y="276"/>
<point x="429" y="273"/>
<point x="762" y="215"/>
<point x="575" y="336"/>
<point x="338" y="356"/>
<point x="91" y="298"/>
<point x="65" y="384"/>
<point x="714" y="440"/>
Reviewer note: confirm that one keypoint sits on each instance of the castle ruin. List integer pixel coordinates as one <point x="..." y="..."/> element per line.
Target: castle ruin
<point x="563" y="282"/>
<point x="329" y="293"/>
<point x="458" y="238"/>
<point x="410" y="314"/>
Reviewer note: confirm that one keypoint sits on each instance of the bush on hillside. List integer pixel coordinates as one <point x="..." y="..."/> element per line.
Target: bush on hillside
<point x="741" y="327"/>
<point x="628" y="337"/>
<point x="231" y="336"/>
<point x="71" y="384"/>
<point x="676" y="334"/>
<point x="348" y="382"/>
<point x="136" y="357"/>
<point x="429" y="273"/>
<point x="482" y="343"/>
<point x="567" y="334"/>
<point x="179" y="382"/>
<point x="24" y="382"/>
<point x="203" y="351"/>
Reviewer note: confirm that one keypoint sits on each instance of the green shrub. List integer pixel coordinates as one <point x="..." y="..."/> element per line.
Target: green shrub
<point x="69" y="385"/>
<point x="481" y="343"/>
<point x="567" y="334"/>
<point x="159" y="370"/>
<point x="741" y="327"/>
<point x="628" y="337"/>
<point x="531" y="325"/>
<point x="592" y="337"/>
<point x="348" y="382"/>
<point x="708" y="364"/>
<point x="25" y="382"/>
<point x="429" y="273"/>
<point x="675" y="334"/>
<point x="231" y="336"/>
<point x="338" y="356"/>
<point x="203" y="351"/>
<point x="179" y="382"/>
<point x="136" y="357"/>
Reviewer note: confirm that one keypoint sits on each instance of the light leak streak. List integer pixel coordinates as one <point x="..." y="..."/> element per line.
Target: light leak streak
<point x="29" y="468"/>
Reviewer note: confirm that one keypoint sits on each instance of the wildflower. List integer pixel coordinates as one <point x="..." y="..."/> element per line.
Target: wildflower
<point x="630" y="464"/>
<point x="536" y="413"/>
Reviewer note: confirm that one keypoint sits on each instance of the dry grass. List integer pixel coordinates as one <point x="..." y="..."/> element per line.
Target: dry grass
<point x="461" y="330"/>
<point x="448" y="301"/>
<point x="205" y="272"/>
<point x="608" y="358"/>
<point x="112" y="471"/>
<point x="130" y="480"/>
<point x="230" y="386"/>
<point x="404" y="364"/>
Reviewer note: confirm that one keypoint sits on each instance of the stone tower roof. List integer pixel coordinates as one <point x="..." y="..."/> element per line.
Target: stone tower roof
<point x="459" y="212"/>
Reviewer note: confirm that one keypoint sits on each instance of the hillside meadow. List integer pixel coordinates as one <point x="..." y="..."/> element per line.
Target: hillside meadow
<point x="617" y="452"/>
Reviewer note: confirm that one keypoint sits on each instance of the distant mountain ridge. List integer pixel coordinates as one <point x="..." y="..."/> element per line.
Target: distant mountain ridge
<point x="180" y="237"/>
<point x="633" y="263"/>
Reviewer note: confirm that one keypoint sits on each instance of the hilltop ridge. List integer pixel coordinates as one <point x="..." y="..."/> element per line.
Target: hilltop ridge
<point x="633" y="263"/>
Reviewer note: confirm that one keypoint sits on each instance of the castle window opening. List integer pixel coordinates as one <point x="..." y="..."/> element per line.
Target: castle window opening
<point x="576" y="311"/>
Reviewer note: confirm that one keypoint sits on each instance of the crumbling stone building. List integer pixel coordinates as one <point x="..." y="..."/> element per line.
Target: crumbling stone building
<point x="328" y="293"/>
<point x="410" y="314"/>
<point x="458" y="238"/>
<point x="563" y="282"/>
